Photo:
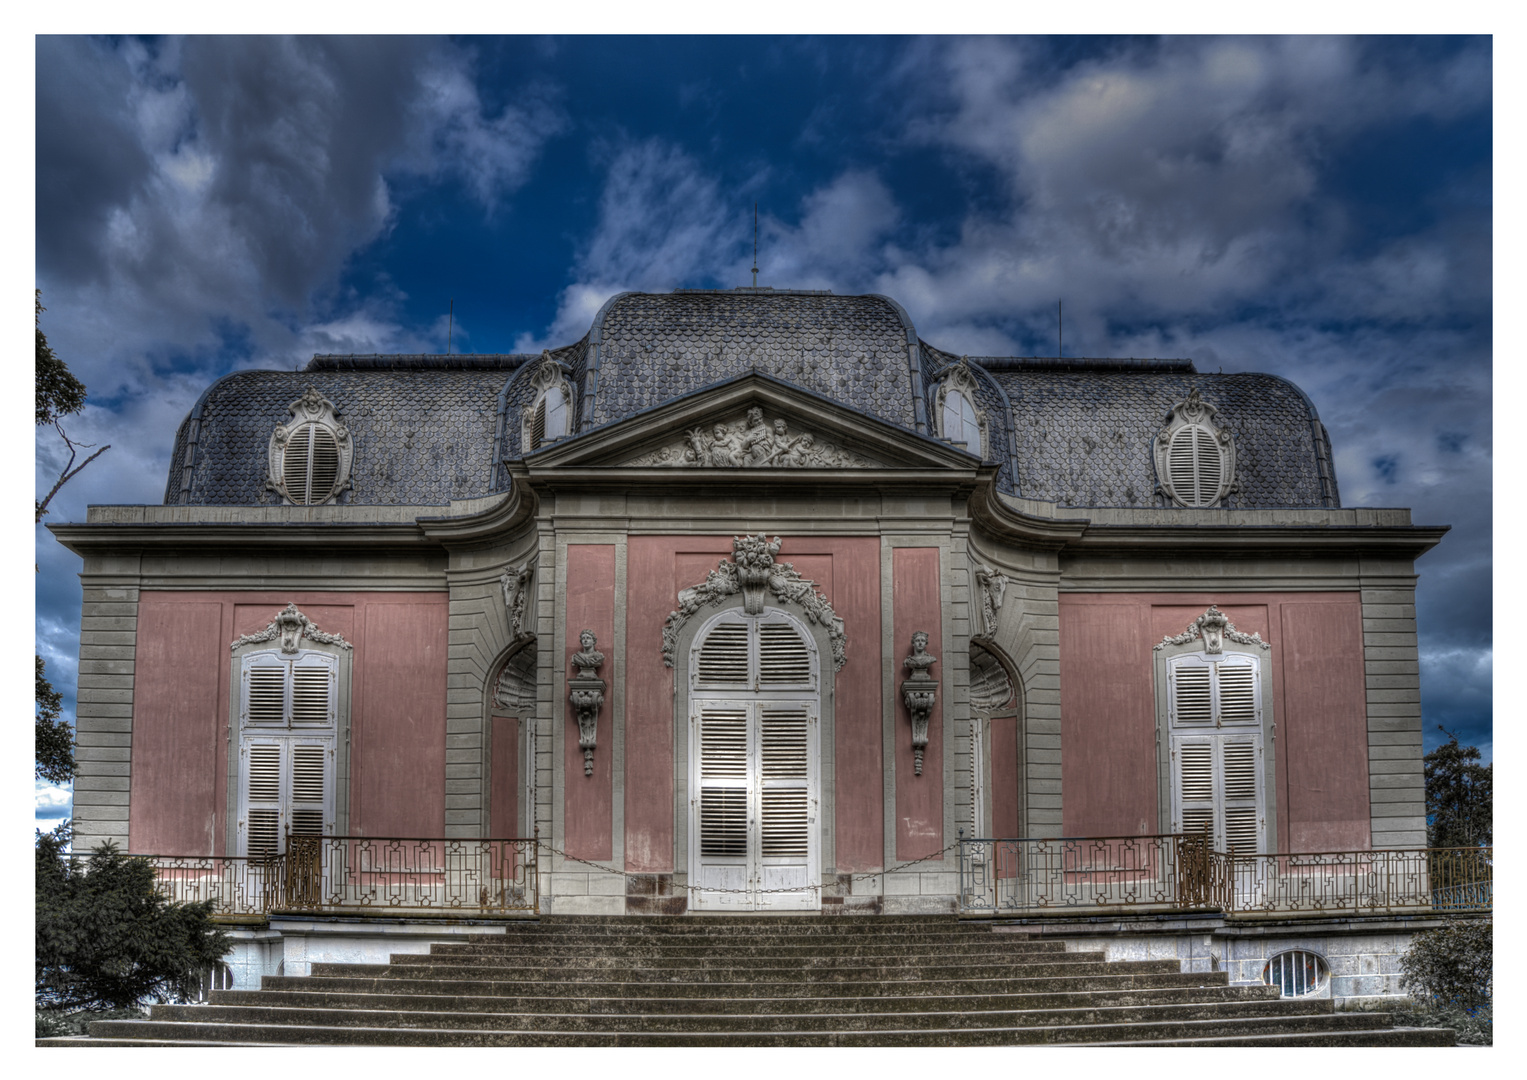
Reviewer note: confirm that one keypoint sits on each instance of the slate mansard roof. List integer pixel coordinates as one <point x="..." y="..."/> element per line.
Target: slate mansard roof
<point x="429" y="429"/>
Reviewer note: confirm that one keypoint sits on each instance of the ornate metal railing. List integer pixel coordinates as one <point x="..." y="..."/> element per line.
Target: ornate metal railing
<point x="1085" y="873"/>
<point x="1390" y="881"/>
<point x="1096" y="875"/>
<point x="238" y="887"/>
<point x="362" y="875"/>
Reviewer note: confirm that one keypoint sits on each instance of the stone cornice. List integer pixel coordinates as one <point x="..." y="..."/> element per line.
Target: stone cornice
<point x="1406" y="541"/>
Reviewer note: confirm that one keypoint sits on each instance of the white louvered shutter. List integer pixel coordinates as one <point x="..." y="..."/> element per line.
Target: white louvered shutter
<point x="1216" y="747"/>
<point x="1241" y="773"/>
<point x="311" y="787"/>
<point x="314" y="676"/>
<point x="261" y="820"/>
<point x="724" y="780"/>
<point x="264" y="690"/>
<point x="1195" y="465"/>
<point x="1237" y="678"/>
<point x="724" y="657"/>
<point x="295" y="463"/>
<point x="1192" y="694"/>
<point x="1193" y="785"/>
<point x="783" y="657"/>
<point x="538" y="425"/>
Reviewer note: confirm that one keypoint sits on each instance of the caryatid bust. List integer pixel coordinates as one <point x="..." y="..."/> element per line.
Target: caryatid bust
<point x="919" y="690"/>
<point x="586" y="692"/>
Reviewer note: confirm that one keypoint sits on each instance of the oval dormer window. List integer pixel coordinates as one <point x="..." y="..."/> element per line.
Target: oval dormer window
<point x="959" y="421"/>
<point x="1195" y="455"/>
<point x="549" y="416"/>
<point x="310" y="454"/>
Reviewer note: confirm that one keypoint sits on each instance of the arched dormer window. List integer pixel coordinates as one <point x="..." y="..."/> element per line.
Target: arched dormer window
<point x="1195" y="455"/>
<point x="550" y="416"/>
<point x="310" y="454"/>
<point x="959" y="421"/>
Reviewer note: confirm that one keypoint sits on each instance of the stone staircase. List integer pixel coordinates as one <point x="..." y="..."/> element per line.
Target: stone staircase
<point x="755" y="981"/>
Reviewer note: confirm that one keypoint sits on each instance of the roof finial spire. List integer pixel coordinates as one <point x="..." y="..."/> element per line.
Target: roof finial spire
<point x="755" y="245"/>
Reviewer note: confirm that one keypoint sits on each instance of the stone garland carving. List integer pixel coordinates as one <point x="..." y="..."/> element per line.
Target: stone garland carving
<point x="516" y="581"/>
<point x="752" y="572"/>
<point x="1214" y="627"/>
<point x="290" y="625"/>
<point x="586" y="691"/>
<point x="919" y="691"/>
<point x="751" y="444"/>
<point x="993" y="588"/>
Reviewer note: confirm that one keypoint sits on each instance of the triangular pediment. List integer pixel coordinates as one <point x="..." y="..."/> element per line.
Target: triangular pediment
<point x="752" y="422"/>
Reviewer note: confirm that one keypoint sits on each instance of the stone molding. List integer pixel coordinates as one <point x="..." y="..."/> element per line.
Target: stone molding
<point x="751" y="572"/>
<point x="751" y="443"/>
<point x="1213" y="627"/>
<point x="290" y="625"/>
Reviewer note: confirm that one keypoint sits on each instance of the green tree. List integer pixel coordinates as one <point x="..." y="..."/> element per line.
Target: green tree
<point x="59" y="394"/>
<point x="106" y="939"/>
<point x="1458" y="796"/>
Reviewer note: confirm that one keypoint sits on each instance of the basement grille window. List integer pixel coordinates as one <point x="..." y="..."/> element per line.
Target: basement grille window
<point x="1296" y="973"/>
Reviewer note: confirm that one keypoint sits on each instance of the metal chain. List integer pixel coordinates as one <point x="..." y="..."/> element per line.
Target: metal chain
<point x="708" y="888"/>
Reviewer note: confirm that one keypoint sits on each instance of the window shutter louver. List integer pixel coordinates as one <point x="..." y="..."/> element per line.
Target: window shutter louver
<point x="538" y="425"/>
<point x="1191" y="697"/>
<point x="783" y="658"/>
<point x="724" y="656"/>
<point x="1208" y="466"/>
<point x="325" y="466"/>
<point x="295" y="461"/>
<point x="1241" y="796"/>
<point x="724" y="744"/>
<point x="785" y="828"/>
<point x="784" y="740"/>
<point x="1180" y="466"/>
<point x="1237" y="693"/>
<point x="312" y="700"/>
<point x="265" y="695"/>
<point x="724" y="782"/>
<point x="783" y="737"/>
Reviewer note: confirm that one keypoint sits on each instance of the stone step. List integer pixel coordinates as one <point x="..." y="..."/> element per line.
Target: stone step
<point x="735" y="973"/>
<point x="741" y="990"/>
<point x="615" y="1006"/>
<point x="600" y="961"/>
<point x="1369" y="1024"/>
<point x="1372" y="1038"/>
<point x="942" y="1018"/>
<point x="642" y="946"/>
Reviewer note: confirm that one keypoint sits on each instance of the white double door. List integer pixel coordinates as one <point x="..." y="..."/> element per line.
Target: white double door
<point x="754" y="839"/>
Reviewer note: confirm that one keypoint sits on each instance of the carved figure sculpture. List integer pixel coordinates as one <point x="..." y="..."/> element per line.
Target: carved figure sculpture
<point x="919" y="691"/>
<point x="753" y="444"/>
<point x="993" y="587"/>
<point x="586" y="692"/>
<point x="516" y="585"/>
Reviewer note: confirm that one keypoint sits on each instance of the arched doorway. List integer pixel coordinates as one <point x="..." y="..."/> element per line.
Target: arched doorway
<point x="754" y="764"/>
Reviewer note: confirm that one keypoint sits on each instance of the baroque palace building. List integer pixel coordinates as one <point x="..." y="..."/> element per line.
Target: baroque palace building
<point x="748" y="596"/>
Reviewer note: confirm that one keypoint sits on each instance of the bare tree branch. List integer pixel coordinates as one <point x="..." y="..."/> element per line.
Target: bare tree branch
<point x="68" y="473"/>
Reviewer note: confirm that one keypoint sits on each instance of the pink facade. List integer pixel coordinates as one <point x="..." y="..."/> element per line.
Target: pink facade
<point x="1108" y="715"/>
<point x="915" y="605"/>
<point x="503" y="801"/>
<point x="588" y="799"/>
<point x="181" y="710"/>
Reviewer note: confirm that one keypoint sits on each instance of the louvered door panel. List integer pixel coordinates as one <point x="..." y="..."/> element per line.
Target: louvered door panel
<point x="1242" y="831"/>
<point x="724" y="784"/>
<point x="262" y="798"/>
<point x="723" y="657"/>
<point x="1193" y="794"/>
<point x="265" y="692"/>
<point x="785" y="823"/>
<point x="783" y="658"/>
<point x="723" y="744"/>
<point x="1192" y="698"/>
<point x="784" y="743"/>
<point x="310" y="788"/>
<point x="1241" y="793"/>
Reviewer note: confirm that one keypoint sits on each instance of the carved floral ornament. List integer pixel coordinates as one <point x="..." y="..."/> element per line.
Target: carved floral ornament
<point x="289" y="627"/>
<point x="1213" y="626"/>
<point x="751" y="443"/>
<point x="753" y="572"/>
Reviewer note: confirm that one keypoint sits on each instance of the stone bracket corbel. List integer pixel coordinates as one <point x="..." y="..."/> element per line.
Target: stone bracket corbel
<point x="919" y="691"/>
<point x="586" y="693"/>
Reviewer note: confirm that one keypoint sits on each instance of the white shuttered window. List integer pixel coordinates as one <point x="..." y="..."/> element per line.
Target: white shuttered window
<point x="287" y="716"/>
<point x="1217" y="768"/>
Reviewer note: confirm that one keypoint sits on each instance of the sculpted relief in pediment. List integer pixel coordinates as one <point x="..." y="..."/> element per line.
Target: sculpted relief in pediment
<point x="754" y="442"/>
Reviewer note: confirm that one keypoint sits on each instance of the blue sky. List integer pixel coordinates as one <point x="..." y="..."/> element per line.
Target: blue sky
<point x="1319" y="208"/>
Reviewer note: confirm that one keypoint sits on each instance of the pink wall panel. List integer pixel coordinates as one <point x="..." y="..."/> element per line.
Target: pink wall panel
<point x="1107" y="721"/>
<point x="915" y="605"/>
<point x="654" y="567"/>
<point x="178" y="718"/>
<point x="398" y="681"/>
<point x="397" y="721"/>
<point x="504" y="793"/>
<point x="589" y="800"/>
<point x="1315" y="671"/>
<point x="1005" y="820"/>
<point x="1324" y="724"/>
